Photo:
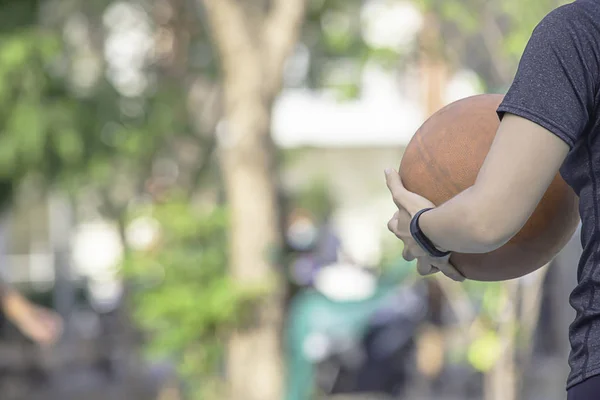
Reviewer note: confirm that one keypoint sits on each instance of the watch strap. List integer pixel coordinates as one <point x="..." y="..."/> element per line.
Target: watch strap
<point x="422" y="240"/>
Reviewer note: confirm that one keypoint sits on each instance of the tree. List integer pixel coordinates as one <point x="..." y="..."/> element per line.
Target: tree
<point x="36" y="136"/>
<point x="253" y="39"/>
<point x="486" y="36"/>
<point x="489" y="37"/>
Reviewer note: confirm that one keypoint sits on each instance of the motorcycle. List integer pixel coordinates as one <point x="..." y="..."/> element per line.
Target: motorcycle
<point x="353" y="332"/>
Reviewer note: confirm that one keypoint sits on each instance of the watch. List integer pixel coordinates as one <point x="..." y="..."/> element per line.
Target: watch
<point x="422" y="240"/>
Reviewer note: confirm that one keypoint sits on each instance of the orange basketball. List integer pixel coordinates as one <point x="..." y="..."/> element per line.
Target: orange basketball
<point x="444" y="158"/>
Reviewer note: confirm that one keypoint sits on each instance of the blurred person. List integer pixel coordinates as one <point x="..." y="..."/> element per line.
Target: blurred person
<point x="37" y="323"/>
<point x="353" y="332"/>
<point x="313" y="243"/>
<point x="550" y="121"/>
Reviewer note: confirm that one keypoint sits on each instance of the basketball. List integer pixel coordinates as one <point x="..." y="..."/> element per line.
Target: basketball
<point x="443" y="159"/>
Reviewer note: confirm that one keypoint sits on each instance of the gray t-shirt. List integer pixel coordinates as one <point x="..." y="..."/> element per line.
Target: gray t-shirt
<point x="556" y="86"/>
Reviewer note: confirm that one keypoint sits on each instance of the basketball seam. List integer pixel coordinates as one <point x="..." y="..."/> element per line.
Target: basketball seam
<point x="438" y="168"/>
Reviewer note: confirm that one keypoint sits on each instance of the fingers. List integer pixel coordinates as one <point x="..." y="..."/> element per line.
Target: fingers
<point x="425" y="268"/>
<point x="399" y="225"/>
<point x="426" y="265"/>
<point x="444" y="266"/>
<point x="407" y="255"/>
<point x="449" y="270"/>
<point x="397" y="228"/>
<point x="411" y="249"/>
<point x="393" y="224"/>
<point x="394" y="184"/>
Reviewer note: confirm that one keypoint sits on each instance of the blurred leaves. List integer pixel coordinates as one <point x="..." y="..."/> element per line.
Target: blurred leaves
<point x="37" y="116"/>
<point x="485" y="351"/>
<point x="487" y="36"/>
<point x="100" y="138"/>
<point x="187" y="301"/>
<point x="333" y="34"/>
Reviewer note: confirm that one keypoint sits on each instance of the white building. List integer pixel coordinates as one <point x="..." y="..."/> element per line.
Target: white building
<point x="349" y="144"/>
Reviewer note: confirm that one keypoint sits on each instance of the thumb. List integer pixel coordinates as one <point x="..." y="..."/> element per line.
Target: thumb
<point x="397" y="189"/>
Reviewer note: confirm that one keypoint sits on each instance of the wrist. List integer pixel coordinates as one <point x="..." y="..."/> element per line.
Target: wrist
<point x="422" y="238"/>
<point x="425" y="225"/>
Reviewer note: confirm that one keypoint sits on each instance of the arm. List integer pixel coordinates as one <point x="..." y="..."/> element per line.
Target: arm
<point x="40" y="324"/>
<point x="547" y="111"/>
<point x="11" y="301"/>
<point x="522" y="162"/>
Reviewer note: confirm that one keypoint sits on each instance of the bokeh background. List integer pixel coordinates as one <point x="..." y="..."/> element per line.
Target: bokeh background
<point x="197" y="187"/>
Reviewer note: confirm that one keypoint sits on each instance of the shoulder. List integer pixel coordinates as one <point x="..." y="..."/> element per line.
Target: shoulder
<point x="571" y="33"/>
<point x="572" y="18"/>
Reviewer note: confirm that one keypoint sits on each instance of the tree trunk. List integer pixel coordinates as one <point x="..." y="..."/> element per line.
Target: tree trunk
<point x="434" y="69"/>
<point x="253" y="49"/>
<point x="500" y="381"/>
<point x="254" y="363"/>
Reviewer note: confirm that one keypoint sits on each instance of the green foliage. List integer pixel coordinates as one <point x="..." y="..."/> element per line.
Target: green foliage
<point x="491" y="302"/>
<point x="124" y="144"/>
<point x="191" y="305"/>
<point x="338" y="52"/>
<point x="104" y="142"/>
<point x="188" y="304"/>
<point x="483" y="35"/>
<point x="37" y="117"/>
<point x="523" y="20"/>
<point x="461" y="14"/>
<point x="78" y="141"/>
<point x="487" y="36"/>
<point x="316" y="199"/>
<point x="485" y="351"/>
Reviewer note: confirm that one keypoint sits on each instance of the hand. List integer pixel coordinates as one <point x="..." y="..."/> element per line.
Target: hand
<point x="40" y="324"/>
<point x="425" y="265"/>
<point x="409" y="204"/>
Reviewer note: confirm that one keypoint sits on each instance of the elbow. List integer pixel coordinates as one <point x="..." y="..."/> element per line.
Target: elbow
<point x="489" y="235"/>
<point x="491" y="222"/>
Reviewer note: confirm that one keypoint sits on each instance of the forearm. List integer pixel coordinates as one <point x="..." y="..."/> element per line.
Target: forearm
<point x="522" y="162"/>
<point x="10" y="300"/>
<point x="460" y="225"/>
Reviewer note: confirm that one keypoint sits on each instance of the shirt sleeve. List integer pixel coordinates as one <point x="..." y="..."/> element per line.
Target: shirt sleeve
<point x="556" y="82"/>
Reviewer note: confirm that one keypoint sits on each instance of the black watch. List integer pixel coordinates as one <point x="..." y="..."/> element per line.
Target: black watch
<point x="422" y="240"/>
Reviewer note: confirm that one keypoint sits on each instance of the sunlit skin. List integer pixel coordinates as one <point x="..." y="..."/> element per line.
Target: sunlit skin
<point x="39" y="324"/>
<point x="521" y="164"/>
